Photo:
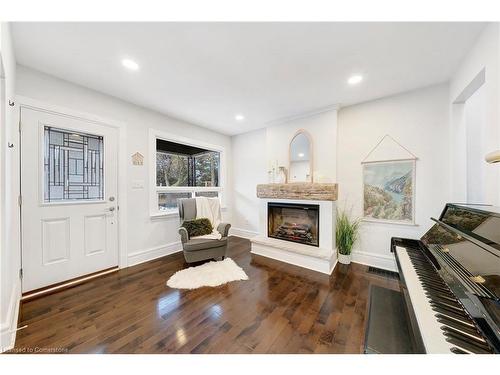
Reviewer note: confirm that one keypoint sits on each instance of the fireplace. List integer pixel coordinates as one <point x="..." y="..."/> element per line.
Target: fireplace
<point x="293" y="222"/>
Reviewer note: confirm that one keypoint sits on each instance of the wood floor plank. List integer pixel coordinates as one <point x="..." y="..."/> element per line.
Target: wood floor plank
<point x="280" y="309"/>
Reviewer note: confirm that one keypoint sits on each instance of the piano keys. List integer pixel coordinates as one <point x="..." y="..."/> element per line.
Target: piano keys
<point x="442" y="321"/>
<point x="450" y="282"/>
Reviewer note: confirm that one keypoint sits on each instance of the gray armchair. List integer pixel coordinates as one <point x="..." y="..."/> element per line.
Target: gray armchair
<point x="198" y="249"/>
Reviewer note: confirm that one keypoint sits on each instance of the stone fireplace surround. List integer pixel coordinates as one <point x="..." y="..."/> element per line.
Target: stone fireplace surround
<point x="321" y="259"/>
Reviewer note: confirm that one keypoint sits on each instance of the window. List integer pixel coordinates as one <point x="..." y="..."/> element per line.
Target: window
<point x="171" y="169"/>
<point x="73" y="166"/>
<point x="208" y="194"/>
<point x="168" y="201"/>
<point x="184" y="169"/>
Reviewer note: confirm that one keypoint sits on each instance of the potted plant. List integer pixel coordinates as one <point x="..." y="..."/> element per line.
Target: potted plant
<point x="346" y="234"/>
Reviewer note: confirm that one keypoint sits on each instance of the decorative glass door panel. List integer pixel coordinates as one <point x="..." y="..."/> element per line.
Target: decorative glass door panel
<point x="73" y="166"/>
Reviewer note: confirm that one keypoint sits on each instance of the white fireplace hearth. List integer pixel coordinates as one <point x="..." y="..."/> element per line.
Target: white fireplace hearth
<point x="320" y="255"/>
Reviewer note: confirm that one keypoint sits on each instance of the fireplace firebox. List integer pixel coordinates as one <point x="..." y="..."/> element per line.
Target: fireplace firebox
<point x="293" y="222"/>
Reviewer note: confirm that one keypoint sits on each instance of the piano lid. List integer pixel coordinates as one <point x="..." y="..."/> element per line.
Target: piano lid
<point x="480" y="222"/>
<point x="465" y="241"/>
<point x="468" y="239"/>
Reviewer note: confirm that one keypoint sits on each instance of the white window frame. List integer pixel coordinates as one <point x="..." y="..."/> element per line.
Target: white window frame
<point x="155" y="134"/>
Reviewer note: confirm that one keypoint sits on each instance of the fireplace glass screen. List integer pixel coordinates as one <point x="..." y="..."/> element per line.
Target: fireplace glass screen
<point x="293" y="222"/>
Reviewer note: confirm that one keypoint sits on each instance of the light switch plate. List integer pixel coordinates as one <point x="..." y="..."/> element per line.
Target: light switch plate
<point x="138" y="184"/>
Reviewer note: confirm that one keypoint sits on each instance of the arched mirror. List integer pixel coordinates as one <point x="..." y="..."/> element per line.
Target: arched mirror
<point x="300" y="156"/>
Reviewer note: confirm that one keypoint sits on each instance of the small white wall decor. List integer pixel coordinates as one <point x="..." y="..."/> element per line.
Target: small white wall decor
<point x="137" y="159"/>
<point x="389" y="183"/>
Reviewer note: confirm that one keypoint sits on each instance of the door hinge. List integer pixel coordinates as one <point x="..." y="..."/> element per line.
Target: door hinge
<point x="20" y="273"/>
<point x="20" y="200"/>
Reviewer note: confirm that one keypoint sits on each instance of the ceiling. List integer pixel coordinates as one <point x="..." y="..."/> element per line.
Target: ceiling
<point x="206" y="73"/>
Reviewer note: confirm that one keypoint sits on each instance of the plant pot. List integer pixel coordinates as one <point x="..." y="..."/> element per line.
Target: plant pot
<point x="344" y="259"/>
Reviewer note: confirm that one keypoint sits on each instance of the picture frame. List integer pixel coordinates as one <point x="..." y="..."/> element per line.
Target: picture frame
<point x="389" y="191"/>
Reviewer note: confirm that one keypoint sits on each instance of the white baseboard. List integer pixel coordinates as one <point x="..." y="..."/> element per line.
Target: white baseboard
<point x="146" y="255"/>
<point x="238" y="232"/>
<point x="386" y="262"/>
<point x="325" y="266"/>
<point x="8" y="328"/>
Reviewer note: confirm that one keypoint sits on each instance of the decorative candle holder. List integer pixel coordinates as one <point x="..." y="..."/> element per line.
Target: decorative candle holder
<point x="281" y="178"/>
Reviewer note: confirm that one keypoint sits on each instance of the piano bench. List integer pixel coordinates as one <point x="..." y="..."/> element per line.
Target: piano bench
<point x="387" y="330"/>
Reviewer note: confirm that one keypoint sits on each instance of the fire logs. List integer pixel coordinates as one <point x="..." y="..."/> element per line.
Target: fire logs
<point x="294" y="231"/>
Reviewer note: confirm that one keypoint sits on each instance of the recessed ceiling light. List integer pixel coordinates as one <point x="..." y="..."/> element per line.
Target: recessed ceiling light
<point x="353" y="80"/>
<point x="130" y="64"/>
<point x="301" y="155"/>
<point x="239" y="117"/>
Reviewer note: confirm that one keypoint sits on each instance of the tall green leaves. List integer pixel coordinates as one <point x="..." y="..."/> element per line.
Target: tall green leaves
<point x="346" y="232"/>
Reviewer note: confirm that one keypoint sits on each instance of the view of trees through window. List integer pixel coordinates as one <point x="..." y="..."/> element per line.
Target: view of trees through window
<point x="200" y="170"/>
<point x="171" y="169"/>
<point x="206" y="168"/>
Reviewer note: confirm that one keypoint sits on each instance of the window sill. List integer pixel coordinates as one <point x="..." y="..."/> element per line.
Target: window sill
<point x="163" y="215"/>
<point x="167" y="215"/>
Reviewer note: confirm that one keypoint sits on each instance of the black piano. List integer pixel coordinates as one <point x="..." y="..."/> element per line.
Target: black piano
<point x="450" y="282"/>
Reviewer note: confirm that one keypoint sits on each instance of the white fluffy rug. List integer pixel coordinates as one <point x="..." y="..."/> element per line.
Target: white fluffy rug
<point x="208" y="274"/>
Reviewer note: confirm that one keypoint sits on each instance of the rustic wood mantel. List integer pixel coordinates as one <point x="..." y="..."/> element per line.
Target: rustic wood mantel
<point x="299" y="190"/>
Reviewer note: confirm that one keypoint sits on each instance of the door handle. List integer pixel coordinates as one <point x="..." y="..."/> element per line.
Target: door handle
<point x="111" y="209"/>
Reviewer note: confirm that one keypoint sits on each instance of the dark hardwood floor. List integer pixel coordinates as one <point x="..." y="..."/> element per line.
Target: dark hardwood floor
<point x="280" y="309"/>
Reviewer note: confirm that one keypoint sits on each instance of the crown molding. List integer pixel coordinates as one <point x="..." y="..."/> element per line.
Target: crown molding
<point x="302" y="115"/>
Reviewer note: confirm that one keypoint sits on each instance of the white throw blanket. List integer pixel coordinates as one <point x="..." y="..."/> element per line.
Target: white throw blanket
<point x="209" y="208"/>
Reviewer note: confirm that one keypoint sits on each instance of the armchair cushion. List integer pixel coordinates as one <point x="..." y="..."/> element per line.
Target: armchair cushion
<point x="223" y="229"/>
<point x="203" y="244"/>
<point x="198" y="227"/>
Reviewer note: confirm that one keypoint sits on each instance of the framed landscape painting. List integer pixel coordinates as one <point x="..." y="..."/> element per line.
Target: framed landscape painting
<point x="389" y="191"/>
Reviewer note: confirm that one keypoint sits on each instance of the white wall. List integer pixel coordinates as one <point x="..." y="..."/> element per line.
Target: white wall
<point x="475" y="127"/>
<point x="147" y="237"/>
<point x="299" y="170"/>
<point x="254" y="153"/>
<point x="419" y="121"/>
<point x="9" y="186"/>
<point x="249" y="161"/>
<point x="483" y="55"/>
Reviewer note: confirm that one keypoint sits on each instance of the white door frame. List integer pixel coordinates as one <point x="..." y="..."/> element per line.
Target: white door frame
<point x="458" y="188"/>
<point x="26" y="102"/>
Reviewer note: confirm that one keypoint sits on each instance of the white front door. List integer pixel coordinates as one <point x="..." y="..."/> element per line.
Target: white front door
<point x="69" y="198"/>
